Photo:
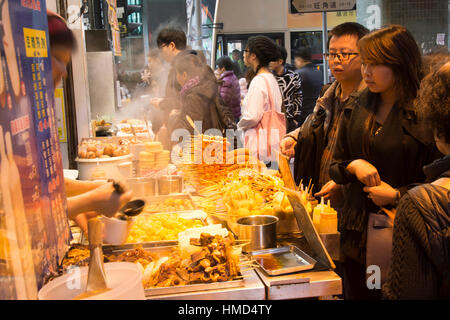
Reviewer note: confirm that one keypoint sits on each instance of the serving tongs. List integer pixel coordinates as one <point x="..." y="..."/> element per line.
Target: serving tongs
<point x="96" y="281"/>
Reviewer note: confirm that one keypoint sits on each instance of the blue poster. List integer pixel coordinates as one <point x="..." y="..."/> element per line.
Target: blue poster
<point x="34" y="231"/>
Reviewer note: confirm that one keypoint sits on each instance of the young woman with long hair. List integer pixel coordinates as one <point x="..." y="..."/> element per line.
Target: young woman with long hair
<point x="263" y="94"/>
<point x="381" y="147"/>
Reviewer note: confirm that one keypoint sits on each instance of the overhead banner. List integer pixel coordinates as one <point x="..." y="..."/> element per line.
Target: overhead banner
<point x="34" y="231"/>
<point x="305" y="6"/>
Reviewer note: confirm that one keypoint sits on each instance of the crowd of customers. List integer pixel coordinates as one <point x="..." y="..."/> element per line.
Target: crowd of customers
<point x="374" y="141"/>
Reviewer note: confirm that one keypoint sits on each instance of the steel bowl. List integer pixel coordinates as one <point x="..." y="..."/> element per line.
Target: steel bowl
<point x="260" y="231"/>
<point x="142" y="186"/>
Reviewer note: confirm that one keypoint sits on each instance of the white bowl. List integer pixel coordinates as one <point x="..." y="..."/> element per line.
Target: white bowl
<point x="123" y="278"/>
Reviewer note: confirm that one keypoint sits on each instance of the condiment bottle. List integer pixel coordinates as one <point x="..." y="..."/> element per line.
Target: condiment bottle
<point x="328" y="220"/>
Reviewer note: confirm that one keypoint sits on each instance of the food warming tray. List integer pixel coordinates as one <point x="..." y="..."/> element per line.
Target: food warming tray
<point x="162" y="198"/>
<point x="283" y="260"/>
<point x="161" y="249"/>
<point x="188" y="215"/>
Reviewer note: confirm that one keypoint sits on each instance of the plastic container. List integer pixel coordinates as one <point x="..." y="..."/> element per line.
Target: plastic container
<point x="115" y="231"/>
<point x="123" y="278"/>
<point x="118" y="168"/>
<point x="142" y="186"/>
<point x="170" y="184"/>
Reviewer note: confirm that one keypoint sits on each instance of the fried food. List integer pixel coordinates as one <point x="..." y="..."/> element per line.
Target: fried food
<point x="215" y="261"/>
<point x="169" y="205"/>
<point x="157" y="227"/>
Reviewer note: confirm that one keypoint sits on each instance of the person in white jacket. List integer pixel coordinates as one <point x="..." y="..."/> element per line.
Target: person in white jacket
<point x="259" y="52"/>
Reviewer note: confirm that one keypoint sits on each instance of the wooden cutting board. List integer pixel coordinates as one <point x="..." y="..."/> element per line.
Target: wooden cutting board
<point x="285" y="170"/>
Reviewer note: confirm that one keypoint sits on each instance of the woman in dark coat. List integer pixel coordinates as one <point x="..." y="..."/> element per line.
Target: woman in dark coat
<point x="381" y="147"/>
<point x="199" y="91"/>
<point x="420" y="267"/>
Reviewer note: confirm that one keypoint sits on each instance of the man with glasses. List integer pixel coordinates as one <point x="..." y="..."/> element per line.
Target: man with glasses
<point x="314" y="142"/>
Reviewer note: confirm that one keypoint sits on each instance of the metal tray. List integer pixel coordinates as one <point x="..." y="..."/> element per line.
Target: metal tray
<point x="283" y="260"/>
<point x="162" y="198"/>
<point x="163" y="248"/>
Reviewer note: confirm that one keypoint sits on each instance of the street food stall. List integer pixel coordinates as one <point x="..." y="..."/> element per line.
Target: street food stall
<point x="217" y="229"/>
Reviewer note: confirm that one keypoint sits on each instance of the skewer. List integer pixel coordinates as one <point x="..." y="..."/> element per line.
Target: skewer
<point x="309" y="184"/>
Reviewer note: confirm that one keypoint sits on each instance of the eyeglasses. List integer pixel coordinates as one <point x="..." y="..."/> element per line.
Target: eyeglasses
<point x="342" y="56"/>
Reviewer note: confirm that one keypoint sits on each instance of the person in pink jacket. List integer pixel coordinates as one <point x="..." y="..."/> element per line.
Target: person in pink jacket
<point x="229" y="89"/>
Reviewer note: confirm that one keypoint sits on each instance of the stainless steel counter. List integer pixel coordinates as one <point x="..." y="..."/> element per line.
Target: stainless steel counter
<point x="253" y="289"/>
<point x="300" y="285"/>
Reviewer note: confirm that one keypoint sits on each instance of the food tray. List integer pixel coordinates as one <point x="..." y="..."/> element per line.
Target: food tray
<point x="283" y="260"/>
<point x="190" y="215"/>
<point x="162" y="198"/>
<point x="160" y="249"/>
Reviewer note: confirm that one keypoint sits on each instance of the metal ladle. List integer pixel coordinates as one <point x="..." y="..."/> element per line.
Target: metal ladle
<point x="131" y="209"/>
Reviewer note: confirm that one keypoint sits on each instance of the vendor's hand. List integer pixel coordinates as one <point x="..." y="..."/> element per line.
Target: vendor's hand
<point x="156" y="102"/>
<point x="382" y="195"/>
<point x="287" y="146"/>
<point x="333" y="192"/>
<point x="364" y="172"/>
<point x="107" y="201"/>
<point x="82" y="220"/>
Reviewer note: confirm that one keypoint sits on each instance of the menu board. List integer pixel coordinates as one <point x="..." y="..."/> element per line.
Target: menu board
<point x="114" y="24"/>
<point x="33" y="212"/>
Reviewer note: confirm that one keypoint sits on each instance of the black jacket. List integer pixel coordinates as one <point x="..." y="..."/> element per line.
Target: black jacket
<point x="420" y="266"/>
<point x="312" y="82"/>
<point x="403" y="146"/>
<point x="312" y="136"/>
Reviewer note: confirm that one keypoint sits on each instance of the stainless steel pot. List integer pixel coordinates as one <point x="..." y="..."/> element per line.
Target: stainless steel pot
<point x="170" y="184"/>
<point x="260" y="230"/>
<point x="142" y="186"/>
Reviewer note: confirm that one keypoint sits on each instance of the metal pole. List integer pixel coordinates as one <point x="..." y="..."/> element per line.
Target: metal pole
<point x="214" y="37"/>
<point x="324" y="46"/>
<point x="198" y="22"/>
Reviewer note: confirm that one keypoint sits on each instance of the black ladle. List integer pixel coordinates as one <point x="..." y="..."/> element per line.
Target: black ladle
<point x="132" y="208"/>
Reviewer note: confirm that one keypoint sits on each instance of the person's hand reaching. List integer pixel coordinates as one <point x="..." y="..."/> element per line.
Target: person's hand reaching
<point x="287" y="147"/>
<point x="107" y="201"/>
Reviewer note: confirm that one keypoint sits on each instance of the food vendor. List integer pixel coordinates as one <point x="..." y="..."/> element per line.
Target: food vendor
<point x="85" y="199"/>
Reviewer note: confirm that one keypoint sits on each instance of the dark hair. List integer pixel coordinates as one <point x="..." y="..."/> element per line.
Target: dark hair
<point x="265" y="49"/>
<point x="236" y="51"/>
<point x="348" y="28"/>
<point x="282" y="54"/>
<point x="225" y="62"/>
<point x="191" y="64"/>
<point x="249" y="75"/>
<point x="433" y="99"/>
<point x="59" y="32"/>
<point x="434" y="59"/>
<point x="304" y="53"/>
<point x="394" y="47"/>
<point x="168" y="35"/>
